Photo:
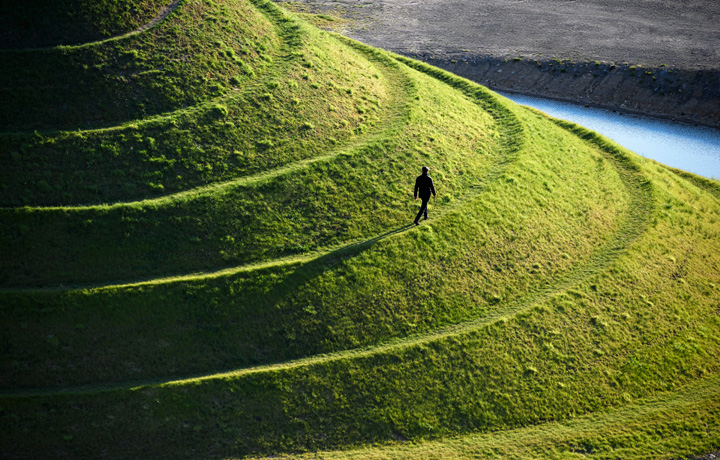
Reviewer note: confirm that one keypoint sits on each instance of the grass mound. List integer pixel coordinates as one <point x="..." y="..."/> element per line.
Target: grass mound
<point x="238" y="277"/>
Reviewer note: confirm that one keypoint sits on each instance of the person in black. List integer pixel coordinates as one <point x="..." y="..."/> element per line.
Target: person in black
<point x="423" y="188"/>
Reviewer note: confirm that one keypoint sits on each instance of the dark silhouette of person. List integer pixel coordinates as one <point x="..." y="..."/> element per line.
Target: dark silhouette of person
<point x="423" y="188"/>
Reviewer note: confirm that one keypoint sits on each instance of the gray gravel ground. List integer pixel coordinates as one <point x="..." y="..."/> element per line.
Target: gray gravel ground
<point x="680" y="33"/>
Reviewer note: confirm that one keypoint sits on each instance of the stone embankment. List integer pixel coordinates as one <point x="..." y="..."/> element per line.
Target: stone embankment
<point x="667" y="92"/>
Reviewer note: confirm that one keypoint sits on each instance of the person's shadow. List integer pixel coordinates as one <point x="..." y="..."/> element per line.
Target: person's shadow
<point x="316" y="267"/>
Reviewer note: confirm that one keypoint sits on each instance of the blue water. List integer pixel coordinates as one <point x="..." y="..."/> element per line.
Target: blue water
<point x="683" y="146"/>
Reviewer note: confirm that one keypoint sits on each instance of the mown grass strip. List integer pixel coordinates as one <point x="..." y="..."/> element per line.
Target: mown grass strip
<point x="559" y="348"/>
<point x="410" y="388"/>
<point x="635" y="222"/>
<point x="294" y="38"/>
<point x="291" y="38"/>
<point x="274" y="121"/>
<point x="276" y="302"/>
<point x="139" y="76"/>
<point x="507" y="124"/>
<point x="212" y="189"/>
<point x="506" y="158"/>
<point x="301" y="259"/>
<point x="709" y="185"/>
<point x="161" y="16"/>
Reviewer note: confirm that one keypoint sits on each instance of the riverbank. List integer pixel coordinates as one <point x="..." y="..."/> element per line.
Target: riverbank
<point x="651" y="58"/>
<point x="691" y="96"/>
<point x="694" y="149"/>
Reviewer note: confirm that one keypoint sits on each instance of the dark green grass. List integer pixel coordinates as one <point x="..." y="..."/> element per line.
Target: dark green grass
<point x="199" y="52"/>
<point x="485" y="276"/>
<point x="339" y="301"/>
<point x="648" y="429"/>
<point x="42" y="23"/>
<point x="497" y="274"/>
<point x="324" y="204"/>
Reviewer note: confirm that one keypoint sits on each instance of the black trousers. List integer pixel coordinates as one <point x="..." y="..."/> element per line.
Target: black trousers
<point x="423" y="209"/>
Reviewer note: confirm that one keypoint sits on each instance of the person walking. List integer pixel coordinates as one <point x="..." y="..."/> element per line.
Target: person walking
<point x="423" y="188"/>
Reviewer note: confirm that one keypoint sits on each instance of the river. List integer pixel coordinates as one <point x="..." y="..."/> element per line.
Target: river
<point x="691" y="148"/>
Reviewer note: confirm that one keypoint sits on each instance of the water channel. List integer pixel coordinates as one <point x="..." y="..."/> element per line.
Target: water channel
<point x="691" y="148"/>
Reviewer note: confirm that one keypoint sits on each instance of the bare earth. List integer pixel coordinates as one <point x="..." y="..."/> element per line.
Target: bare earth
<point x="514" y="45"/>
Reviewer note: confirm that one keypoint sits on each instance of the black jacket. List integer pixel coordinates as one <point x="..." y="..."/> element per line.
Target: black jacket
<point x="424" y="185"/>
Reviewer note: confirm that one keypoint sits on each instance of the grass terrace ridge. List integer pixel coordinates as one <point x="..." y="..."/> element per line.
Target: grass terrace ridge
<point x="207" y="249"/>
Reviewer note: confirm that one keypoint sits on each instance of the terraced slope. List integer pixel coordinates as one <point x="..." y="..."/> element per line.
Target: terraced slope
<point x="234" y="275"/>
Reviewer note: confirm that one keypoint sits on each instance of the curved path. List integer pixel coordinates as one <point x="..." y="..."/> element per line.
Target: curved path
<point x="292" y="42"/>
<point x="165" y="12"/>
<point x="393" y="120"/>
<point x="388" y="124"/>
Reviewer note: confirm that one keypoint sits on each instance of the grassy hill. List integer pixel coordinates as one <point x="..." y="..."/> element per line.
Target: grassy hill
<point x="207" y="252"/>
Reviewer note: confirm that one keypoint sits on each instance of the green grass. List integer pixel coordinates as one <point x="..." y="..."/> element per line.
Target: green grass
<point x="479" y="274"/>
<point x="648" y="430"/>
<point x="242" y="280"/>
